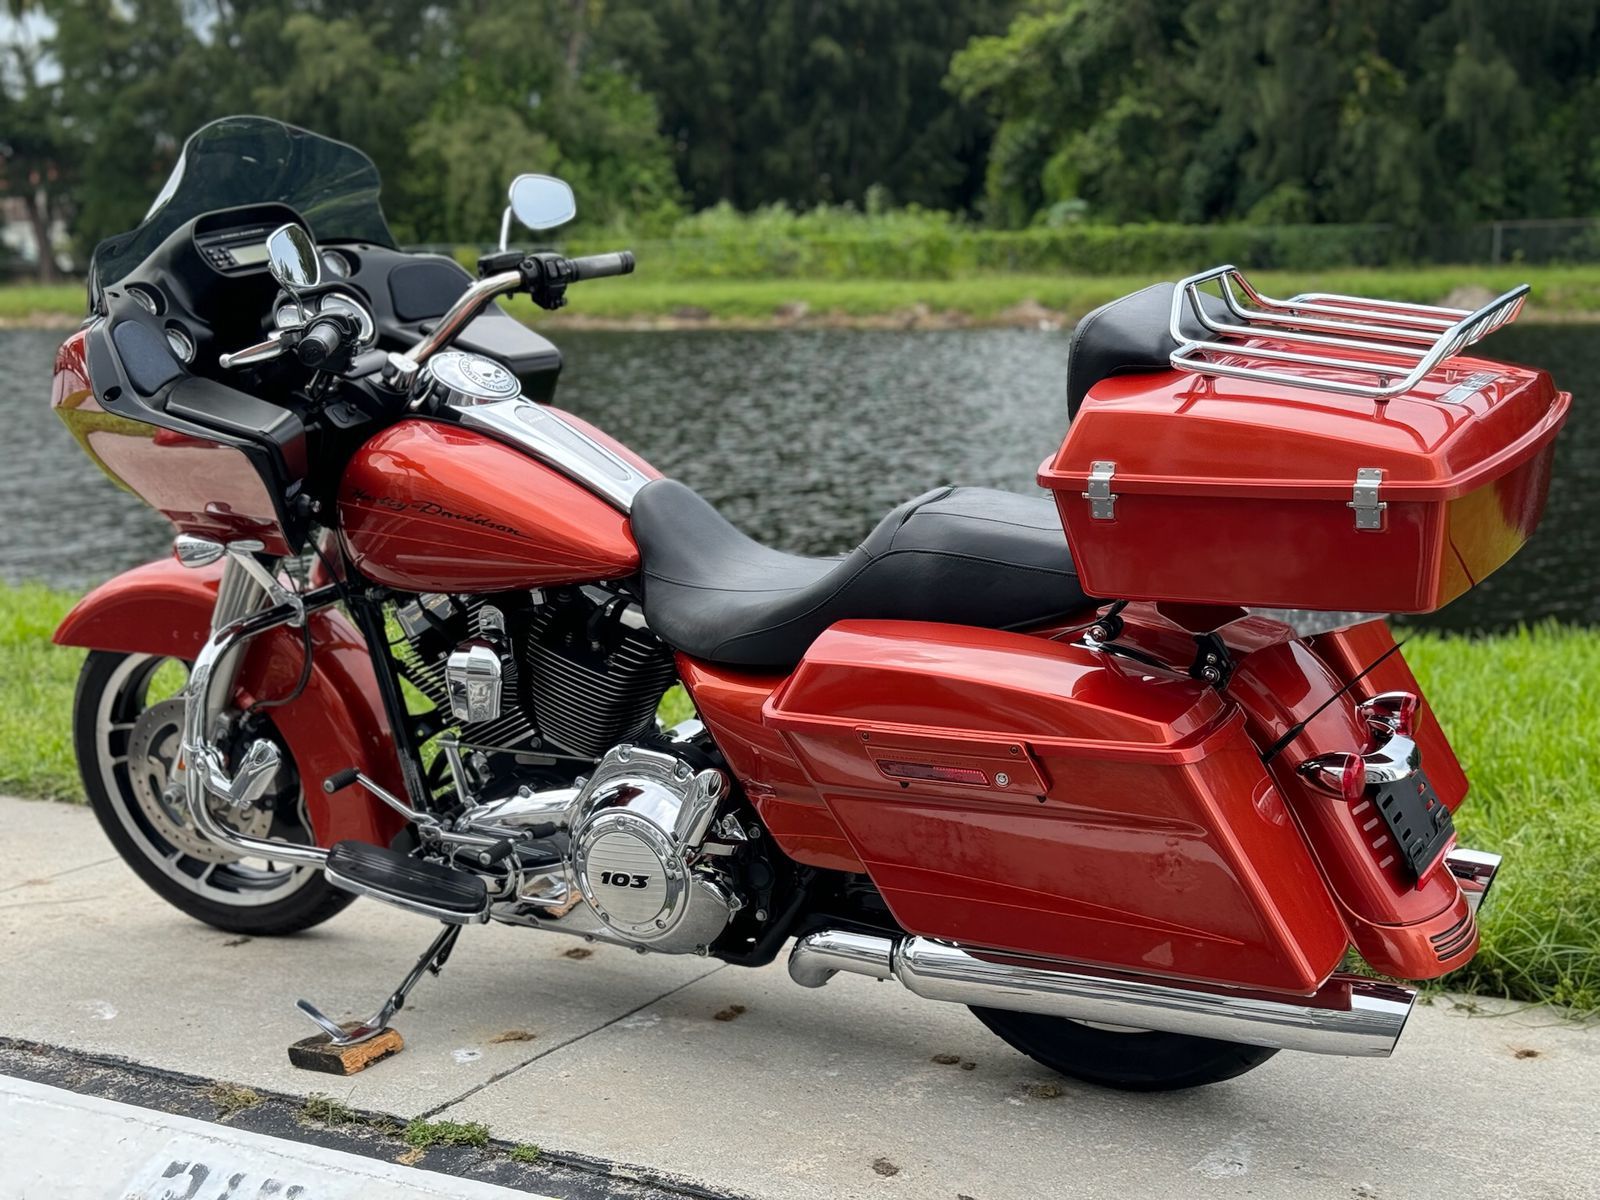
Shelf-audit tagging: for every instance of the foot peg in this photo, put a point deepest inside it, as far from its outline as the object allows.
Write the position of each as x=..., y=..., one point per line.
x=444, y=893
x=433, y=959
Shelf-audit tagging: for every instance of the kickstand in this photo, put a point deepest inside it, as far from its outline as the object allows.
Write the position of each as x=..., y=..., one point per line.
x=433, y=958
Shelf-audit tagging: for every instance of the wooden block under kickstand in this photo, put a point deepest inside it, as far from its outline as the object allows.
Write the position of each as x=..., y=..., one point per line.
x=319, y=1054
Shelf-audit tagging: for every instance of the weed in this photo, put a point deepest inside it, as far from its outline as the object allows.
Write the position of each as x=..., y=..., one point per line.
x=325, y=1110
x=425, y=1135
x=231, y=1098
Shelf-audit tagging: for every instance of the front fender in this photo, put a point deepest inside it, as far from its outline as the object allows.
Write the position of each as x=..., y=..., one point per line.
x=335, y=723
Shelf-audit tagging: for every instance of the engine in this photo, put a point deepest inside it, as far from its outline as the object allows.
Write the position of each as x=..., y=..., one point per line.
x=551, y=698
x=566, y=673
x=636, y=850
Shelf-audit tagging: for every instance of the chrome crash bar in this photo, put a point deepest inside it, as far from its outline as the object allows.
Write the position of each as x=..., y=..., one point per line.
x=1316, y=332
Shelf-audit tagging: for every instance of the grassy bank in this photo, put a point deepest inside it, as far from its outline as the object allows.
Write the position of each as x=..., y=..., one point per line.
x=1522, y=710
x=658, y=296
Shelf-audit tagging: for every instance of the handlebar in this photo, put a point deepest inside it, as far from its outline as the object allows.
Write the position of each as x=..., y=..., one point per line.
x=321, y=341
x=599, y=266
x=543, y=276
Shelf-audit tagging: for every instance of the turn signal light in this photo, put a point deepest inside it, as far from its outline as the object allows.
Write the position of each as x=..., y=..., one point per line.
x=1343, y=775
x=1397, y=710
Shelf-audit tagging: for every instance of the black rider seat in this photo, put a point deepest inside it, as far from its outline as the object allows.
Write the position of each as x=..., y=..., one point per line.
x=970, y=556
x=1130, y=335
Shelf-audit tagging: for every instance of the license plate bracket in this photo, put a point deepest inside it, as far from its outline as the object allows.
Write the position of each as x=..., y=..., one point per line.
x=1418, y=822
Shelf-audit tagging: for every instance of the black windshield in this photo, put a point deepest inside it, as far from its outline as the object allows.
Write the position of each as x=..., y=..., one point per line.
x=255, y=160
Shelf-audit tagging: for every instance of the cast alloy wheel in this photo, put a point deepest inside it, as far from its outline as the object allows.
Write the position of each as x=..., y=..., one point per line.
x=127, y=725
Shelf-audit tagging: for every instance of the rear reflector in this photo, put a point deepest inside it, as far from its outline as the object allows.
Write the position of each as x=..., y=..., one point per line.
x=932, y=771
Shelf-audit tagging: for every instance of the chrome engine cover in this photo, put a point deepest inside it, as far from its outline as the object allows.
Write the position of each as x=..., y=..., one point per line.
x=634, y=851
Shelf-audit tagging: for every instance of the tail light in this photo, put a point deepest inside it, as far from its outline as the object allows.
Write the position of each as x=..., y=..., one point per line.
x=1396, y=711
x=1342, y=774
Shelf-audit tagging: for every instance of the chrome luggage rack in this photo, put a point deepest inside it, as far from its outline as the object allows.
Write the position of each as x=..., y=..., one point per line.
x=1318, y=330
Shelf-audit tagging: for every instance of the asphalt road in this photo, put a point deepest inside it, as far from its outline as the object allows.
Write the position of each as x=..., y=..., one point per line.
x=746, y=1084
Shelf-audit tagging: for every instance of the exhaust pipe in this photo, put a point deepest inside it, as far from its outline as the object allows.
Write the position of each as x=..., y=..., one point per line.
x=1348, y=1015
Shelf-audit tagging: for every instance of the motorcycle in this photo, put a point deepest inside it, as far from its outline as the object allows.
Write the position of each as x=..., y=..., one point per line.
x=1035, y=755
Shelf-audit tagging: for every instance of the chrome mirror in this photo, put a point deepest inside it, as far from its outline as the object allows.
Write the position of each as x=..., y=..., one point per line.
x=292, y=259
x=539, y=202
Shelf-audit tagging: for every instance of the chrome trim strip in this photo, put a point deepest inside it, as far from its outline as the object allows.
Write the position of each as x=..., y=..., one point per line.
x=1349, y=1015
x=558, y=443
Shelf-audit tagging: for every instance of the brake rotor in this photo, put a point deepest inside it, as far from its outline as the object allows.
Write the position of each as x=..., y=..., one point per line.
x=152, y=749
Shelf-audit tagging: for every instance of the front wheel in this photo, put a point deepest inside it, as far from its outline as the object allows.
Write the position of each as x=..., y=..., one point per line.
x=1133, y=1060
x=127, y=723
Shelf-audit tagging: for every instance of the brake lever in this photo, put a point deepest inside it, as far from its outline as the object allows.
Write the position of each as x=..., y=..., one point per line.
x=250, y=355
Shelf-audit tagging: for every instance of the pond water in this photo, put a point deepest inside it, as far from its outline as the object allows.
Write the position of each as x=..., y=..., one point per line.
x=803, y=438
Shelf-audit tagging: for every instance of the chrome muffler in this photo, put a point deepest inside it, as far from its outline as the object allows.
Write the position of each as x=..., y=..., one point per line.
x=1348, y=1015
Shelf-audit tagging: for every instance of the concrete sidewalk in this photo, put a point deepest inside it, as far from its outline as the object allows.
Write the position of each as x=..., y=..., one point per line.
x=749, y=1084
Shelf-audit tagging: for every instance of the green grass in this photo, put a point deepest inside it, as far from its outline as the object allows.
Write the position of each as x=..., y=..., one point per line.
x=1523, y=711
x=21, y=301
x=1557, y=291
x=36, y=685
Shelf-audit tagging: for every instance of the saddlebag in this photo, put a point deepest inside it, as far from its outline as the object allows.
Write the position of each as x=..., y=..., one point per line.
x=1324, y=452
x=1021, y=793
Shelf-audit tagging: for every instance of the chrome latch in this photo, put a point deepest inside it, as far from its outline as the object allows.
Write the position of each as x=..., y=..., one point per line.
x=1102, y=500
x=1369, y=509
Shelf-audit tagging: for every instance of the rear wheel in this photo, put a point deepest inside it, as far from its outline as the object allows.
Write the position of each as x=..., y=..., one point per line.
x=127, y=725
x=1134, y=1060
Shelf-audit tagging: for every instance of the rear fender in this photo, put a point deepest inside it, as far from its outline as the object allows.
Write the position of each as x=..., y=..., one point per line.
x=1397, y=922
x=335, y=723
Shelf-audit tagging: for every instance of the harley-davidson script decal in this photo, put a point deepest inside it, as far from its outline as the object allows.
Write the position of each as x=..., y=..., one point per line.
x=429, y=508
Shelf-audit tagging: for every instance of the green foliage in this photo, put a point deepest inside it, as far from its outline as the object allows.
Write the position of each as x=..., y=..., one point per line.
x=811, y=103
x=1372, y=110
x=449, y=102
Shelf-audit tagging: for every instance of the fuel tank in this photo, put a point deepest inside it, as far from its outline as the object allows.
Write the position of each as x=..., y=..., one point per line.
x=430, y=507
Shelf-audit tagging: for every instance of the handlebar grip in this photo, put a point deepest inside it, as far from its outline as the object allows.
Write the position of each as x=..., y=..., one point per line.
x=599, y=266
x=319, y=343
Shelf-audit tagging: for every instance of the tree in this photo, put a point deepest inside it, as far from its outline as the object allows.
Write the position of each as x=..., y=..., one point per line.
x=36, y=158
x=786, y=100
x=1324, y=110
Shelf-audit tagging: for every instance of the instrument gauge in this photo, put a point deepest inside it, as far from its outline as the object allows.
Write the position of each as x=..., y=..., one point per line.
x=287, y=315
x=180, y=343
x=146, y=298
x=336, y=264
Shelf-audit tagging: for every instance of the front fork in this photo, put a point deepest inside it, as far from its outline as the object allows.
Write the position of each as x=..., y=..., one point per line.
x=250, y=601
